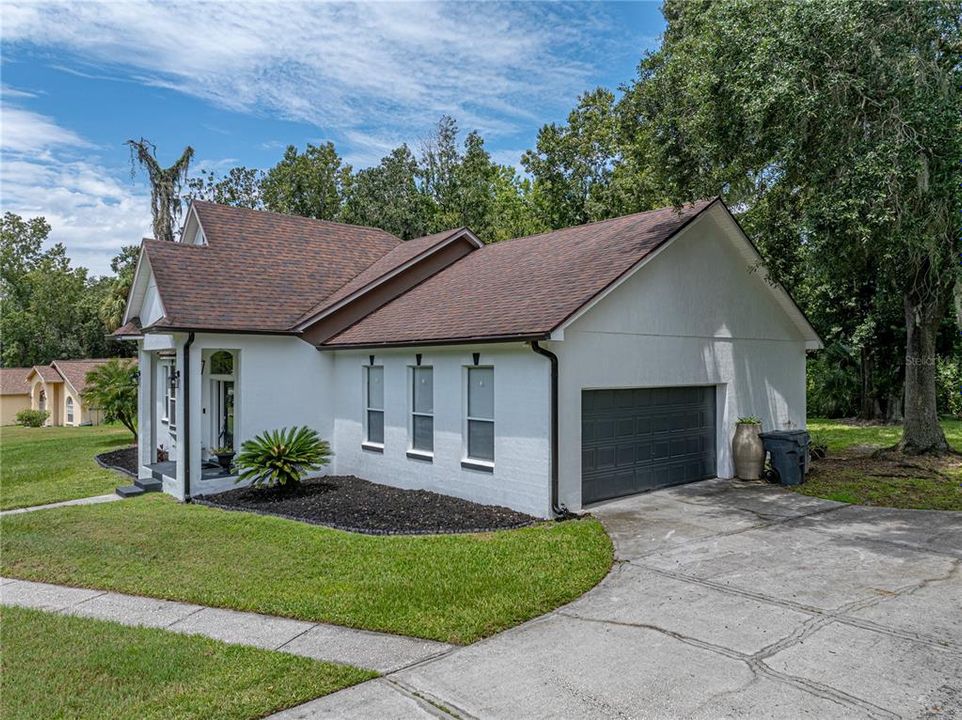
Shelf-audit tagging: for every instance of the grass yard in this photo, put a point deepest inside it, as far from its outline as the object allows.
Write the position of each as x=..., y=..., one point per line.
x=453, y=588
x=50, y=464
x=57, y=666
x=851, y=474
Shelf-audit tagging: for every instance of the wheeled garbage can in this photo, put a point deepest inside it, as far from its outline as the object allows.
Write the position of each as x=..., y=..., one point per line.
x=788, y=449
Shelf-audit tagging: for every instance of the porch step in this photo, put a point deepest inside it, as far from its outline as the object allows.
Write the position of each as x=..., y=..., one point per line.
x=126, y=491
x=149, y=484
x=140, y=486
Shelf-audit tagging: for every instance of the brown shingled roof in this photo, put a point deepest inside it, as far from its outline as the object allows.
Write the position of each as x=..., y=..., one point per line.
x=394, y=259
x=47, y=373
x=259, y=271
x=13, y=381
x=519, y=288
x=75, y=371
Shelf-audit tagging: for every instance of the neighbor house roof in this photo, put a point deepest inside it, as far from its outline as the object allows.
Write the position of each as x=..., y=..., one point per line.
x=47, y=373
x=13, y=381
x=75, y=371
x=521, y=288
x=259, y=271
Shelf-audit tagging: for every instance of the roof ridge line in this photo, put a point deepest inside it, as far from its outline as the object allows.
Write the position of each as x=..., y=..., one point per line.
x=297, y=217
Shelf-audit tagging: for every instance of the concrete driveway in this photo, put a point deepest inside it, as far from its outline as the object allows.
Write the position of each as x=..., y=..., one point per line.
x=724, y=602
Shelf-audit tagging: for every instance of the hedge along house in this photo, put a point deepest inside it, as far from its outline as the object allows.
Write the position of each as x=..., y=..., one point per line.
x=58, y=389
x=541, y=373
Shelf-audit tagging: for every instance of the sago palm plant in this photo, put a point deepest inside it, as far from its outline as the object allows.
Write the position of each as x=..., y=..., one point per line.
x=281, y=457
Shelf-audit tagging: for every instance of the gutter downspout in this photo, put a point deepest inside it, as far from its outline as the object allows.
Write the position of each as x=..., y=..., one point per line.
x=560, y=511
x=190, y=341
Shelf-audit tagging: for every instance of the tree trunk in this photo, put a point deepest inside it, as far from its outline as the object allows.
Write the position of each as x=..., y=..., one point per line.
x=867, y=409
x=922, y=434
x=893, y=413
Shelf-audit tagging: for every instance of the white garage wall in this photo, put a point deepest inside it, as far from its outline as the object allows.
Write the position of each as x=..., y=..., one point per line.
x=520, y=479
x=694, y=315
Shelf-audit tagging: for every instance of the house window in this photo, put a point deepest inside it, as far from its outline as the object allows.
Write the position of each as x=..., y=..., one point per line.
x=70, y=410
x=170, y=396
x=374, y=403
x=422, y=409
x=480, y=416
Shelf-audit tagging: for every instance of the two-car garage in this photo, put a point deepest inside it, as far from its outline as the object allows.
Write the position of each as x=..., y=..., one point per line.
x=639, y=439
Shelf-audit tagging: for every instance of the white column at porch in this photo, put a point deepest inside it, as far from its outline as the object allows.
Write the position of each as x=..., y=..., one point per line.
x=145, y=411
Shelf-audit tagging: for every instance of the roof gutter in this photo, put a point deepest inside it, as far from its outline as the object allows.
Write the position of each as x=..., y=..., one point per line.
x=190, y=341
x=559, y=510
x=522, y=337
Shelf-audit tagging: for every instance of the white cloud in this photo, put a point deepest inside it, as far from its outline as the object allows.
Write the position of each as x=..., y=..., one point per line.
x=89, y=210
x=343, y=66
x=25, y=131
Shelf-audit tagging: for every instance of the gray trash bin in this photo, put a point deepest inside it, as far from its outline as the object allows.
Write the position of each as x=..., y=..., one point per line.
x=788, y=449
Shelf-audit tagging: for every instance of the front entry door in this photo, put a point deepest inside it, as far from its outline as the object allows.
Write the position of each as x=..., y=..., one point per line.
x=222, y=413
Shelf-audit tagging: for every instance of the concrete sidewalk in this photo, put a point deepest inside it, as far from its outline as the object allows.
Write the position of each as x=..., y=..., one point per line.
x=94, y=500
x=375, y=651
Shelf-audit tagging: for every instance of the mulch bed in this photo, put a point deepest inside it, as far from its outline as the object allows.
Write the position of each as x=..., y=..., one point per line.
x=124, y=460
x=350, y=503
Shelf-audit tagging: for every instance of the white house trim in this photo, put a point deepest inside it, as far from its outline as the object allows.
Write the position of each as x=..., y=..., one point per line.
x=463, y=233
x=138, y=290
x=193, y=229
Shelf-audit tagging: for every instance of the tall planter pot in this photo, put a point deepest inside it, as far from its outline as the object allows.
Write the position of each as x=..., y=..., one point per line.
x=748, y=451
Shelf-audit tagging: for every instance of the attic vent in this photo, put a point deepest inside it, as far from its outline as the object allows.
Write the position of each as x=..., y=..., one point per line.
x=199, y=238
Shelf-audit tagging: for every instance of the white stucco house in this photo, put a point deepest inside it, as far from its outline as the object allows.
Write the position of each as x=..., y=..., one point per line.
x=543, y=373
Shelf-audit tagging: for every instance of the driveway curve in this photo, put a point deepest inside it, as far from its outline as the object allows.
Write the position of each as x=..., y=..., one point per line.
x=725, y=601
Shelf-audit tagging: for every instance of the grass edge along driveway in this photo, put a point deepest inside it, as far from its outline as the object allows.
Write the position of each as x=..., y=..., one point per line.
x=451, y=588
x=851, y=474
x=51, y=464
x=63, y=666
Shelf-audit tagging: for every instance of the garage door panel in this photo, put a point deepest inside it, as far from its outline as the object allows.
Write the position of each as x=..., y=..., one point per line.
x=641, y=439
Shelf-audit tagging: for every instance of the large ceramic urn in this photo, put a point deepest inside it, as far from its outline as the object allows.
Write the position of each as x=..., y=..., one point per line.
x=748, y=451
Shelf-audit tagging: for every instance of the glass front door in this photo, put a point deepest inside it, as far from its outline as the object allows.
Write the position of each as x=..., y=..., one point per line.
x=222, y=413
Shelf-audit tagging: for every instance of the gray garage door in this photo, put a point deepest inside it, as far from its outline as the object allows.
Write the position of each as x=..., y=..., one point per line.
x=645, y=438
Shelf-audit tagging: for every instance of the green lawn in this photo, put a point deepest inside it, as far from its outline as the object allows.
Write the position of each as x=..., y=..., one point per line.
x=453, y=588
x=56, y=666
x=843, y=436
x=851, y=474
x=45, y=465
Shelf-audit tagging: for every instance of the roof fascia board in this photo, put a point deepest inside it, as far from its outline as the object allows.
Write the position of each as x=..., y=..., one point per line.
x=454, y=237
x=557, y=333
x=521, y=337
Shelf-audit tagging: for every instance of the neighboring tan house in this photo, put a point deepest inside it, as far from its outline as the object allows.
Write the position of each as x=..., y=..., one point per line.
x=58, y=388
x=541, y=373
x=14, y=393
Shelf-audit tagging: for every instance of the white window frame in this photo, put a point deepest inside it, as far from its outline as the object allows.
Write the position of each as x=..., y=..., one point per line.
x=467, y=461
x=170, y=396
x=69, y=409
x=413, y=452
x=367, y=443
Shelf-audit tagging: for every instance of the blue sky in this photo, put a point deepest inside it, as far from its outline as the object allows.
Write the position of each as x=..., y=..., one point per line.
x=241, y=81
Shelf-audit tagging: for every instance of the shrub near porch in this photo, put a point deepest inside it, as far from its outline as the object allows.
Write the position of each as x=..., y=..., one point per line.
x=452, y=588
x=50, y=464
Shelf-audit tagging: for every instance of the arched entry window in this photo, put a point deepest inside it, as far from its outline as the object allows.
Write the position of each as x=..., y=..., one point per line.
x=43, y=401
x=222, y=363
x=70, y=410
